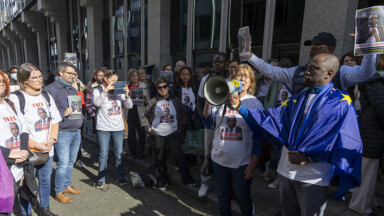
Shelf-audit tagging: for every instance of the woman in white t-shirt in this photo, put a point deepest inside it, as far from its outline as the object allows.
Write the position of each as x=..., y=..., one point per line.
x=40, y=118
x=109, y=120
x=10, y=139
x=235, y=149
x=139, y=95
x=185, y=91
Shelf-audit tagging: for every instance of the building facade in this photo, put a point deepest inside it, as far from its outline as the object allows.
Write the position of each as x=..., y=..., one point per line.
x=133, y=33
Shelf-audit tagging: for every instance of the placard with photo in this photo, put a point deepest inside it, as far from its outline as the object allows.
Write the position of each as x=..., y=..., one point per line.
x=167, y=76
x=244, y=38
x=137, y=95
x=74, y=102
x=369, y=31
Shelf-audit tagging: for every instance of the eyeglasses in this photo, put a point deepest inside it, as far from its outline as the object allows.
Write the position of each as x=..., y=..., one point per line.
x=2, y=82
x=162, y=87
x=36, y=78
x=70, y=73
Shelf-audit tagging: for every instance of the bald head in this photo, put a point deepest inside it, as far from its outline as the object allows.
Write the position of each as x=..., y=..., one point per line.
x=329, y=62
x=321, y=70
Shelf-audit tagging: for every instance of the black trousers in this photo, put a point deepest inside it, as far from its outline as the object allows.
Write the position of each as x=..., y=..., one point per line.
x=136, y=149
x=173, y=141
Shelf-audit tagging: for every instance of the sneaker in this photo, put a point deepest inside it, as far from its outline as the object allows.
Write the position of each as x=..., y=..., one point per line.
x=121, y=182
x=267, y=174
x=192, y=183
x=100, y=185
x=203, y=191
x=162, y=187
x=80, y=164
x=273, y=185
x=83, y=151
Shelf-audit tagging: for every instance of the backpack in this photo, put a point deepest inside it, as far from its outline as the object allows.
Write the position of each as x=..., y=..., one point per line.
x=21, y=98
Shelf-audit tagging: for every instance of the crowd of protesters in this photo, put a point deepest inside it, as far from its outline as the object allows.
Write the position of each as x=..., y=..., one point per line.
x=256, y=129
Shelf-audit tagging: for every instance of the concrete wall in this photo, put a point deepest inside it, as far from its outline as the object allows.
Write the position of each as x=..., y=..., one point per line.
x=336, y=17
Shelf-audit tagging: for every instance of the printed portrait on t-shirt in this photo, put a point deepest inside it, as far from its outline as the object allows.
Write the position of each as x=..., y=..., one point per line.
x=167, y=117
x=13, y=143
x=232, y=132
x=187, y=101
x=115, y=110
x=43, y=123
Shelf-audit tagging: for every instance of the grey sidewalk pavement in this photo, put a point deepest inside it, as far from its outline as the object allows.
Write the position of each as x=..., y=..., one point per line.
x=266, y=201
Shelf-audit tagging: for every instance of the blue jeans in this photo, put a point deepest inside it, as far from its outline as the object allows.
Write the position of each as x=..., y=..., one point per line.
x=227, y=179
x=44, y=176
x=104, y=138
x=67, y=146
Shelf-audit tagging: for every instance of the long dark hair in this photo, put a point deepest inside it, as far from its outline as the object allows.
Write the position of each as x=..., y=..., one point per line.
x=178, y=77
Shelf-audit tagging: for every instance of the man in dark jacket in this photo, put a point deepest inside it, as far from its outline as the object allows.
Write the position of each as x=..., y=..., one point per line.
x=371, y=123
x=69, y=137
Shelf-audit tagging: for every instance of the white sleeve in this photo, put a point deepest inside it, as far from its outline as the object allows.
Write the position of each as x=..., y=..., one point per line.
x=127, y=101
x=274, y=72
x=201, y=87
x=98, y=98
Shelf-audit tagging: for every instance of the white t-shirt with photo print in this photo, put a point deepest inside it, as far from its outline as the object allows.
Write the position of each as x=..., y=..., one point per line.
x=11, y=128
x=232, y=142
x=164, y=121
x=109, y=116
x=188, y=97
x=38, y=117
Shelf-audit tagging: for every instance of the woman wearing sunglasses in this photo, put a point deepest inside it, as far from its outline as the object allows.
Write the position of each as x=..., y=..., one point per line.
x=110, y=123
x=165, y=119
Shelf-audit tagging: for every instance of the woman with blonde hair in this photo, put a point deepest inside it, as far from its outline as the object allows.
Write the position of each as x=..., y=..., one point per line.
x=235, y=149
x=138, y=91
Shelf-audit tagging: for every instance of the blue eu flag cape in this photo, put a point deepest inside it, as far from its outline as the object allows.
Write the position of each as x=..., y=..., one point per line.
x=329, y=132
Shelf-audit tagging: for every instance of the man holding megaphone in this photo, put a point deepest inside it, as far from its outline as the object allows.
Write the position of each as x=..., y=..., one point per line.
x=235, y=149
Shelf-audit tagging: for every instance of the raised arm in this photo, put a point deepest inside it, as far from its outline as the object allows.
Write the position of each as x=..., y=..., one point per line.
x=351, y=76
x=275, y=73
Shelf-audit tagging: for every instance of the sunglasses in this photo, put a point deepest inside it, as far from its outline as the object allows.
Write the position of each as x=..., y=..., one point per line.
x=111, y=72
x=162, y=87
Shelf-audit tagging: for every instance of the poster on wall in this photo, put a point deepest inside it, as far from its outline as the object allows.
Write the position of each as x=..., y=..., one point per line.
x=71, y=58
x=167, y=76
x=244, y=38
x=137, y=95
x=369, y=31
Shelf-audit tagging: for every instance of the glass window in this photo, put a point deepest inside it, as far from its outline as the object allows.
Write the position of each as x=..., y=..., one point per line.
x=289, y=16
x=179, y=22
x=206, y=24
x=118, y=37
x=254, y=17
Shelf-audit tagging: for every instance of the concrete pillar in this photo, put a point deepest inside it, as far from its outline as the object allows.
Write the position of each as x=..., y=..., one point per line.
x=95, y=42
x=5, y=52
x=223, y=26
x=57, y=12
x=159, y=34
x=2, y=67
x=36, y=22
x=268, y=29
x=28, y=40
x=16, y=46
x=340, y=21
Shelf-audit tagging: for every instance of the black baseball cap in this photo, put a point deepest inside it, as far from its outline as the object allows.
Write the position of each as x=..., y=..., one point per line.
x=322, y=38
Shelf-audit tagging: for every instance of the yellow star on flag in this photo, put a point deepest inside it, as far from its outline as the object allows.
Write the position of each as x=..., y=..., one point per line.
x=333, y=89
x=294, y=101
x=346, y=98
x=285, y=103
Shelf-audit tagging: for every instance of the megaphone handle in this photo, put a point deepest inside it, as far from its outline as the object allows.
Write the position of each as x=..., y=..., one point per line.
x=234, y=108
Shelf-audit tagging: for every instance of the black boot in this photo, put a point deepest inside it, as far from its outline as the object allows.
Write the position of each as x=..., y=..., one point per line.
x=44, y=211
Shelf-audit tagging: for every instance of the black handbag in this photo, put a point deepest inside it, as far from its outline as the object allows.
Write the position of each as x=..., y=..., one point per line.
x=38, y=158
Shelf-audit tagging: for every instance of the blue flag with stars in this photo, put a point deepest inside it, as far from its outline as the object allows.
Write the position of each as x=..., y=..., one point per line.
x=328, y=133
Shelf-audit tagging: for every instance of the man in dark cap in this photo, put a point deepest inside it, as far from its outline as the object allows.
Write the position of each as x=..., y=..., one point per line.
x=322, y=43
